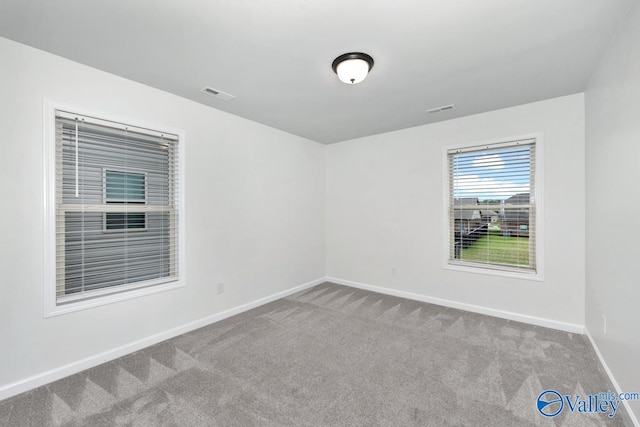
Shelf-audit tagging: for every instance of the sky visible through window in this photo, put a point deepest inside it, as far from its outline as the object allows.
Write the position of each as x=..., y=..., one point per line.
x=492, y=175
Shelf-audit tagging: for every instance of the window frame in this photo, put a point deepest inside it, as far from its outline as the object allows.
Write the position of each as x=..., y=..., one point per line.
x=122, y=292
x=488, y=269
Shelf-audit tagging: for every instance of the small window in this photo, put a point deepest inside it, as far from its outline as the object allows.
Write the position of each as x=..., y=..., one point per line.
x=124, y=187
x=115, y=221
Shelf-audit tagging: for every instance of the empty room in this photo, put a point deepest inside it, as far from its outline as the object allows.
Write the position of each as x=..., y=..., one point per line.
x=320, y=213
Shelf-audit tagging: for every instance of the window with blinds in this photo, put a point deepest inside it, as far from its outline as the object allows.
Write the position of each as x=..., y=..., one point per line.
x=492, y=206
x=116, y=208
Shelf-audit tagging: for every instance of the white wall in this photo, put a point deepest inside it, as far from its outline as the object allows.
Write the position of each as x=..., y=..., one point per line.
x=255, y=214
x=613, y=198
x=385, y=210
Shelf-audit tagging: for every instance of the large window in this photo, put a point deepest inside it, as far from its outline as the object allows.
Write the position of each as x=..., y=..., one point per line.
x=492, y=206
x=115, y=199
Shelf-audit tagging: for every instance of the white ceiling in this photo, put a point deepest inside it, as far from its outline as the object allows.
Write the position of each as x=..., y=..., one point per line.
x=275, y=55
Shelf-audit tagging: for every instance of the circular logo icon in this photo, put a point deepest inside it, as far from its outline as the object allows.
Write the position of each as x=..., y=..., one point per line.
x=550, y=403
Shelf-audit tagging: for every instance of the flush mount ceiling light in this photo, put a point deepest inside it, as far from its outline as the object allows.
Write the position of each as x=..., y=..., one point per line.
x=352, y=68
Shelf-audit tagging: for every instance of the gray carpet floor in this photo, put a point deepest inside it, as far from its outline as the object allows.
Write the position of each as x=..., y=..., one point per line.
x=331, y=356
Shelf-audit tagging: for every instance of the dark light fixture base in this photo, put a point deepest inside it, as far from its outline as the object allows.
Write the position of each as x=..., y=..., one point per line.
x=352, y=55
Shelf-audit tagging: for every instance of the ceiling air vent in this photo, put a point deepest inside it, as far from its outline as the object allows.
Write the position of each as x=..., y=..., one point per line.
x=443, y=108
x=222, y=96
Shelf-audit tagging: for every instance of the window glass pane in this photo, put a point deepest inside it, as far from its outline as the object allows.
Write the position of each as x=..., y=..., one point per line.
x=122, y=221
x=491, y=176
x=125, y=187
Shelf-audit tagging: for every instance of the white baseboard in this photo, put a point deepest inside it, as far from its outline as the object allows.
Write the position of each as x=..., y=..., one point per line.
x=38, y=380
x=538, y=321
x=627, y=406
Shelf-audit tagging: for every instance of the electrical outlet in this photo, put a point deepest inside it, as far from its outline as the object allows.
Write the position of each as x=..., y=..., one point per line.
x=220, y=288
x=604, y=324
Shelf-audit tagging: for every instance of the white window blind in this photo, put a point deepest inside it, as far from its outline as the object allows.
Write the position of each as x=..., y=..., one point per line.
x=116, y=207
x=492, y=206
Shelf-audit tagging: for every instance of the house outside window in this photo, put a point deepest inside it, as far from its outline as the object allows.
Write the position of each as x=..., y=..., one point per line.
x=492, y=206
x=114, y=200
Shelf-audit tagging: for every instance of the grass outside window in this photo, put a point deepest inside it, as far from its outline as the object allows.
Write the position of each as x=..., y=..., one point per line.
x=498, y=249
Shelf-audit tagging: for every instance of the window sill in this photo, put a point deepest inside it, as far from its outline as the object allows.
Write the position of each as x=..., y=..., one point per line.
x=70, y=307
x=497, y=271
